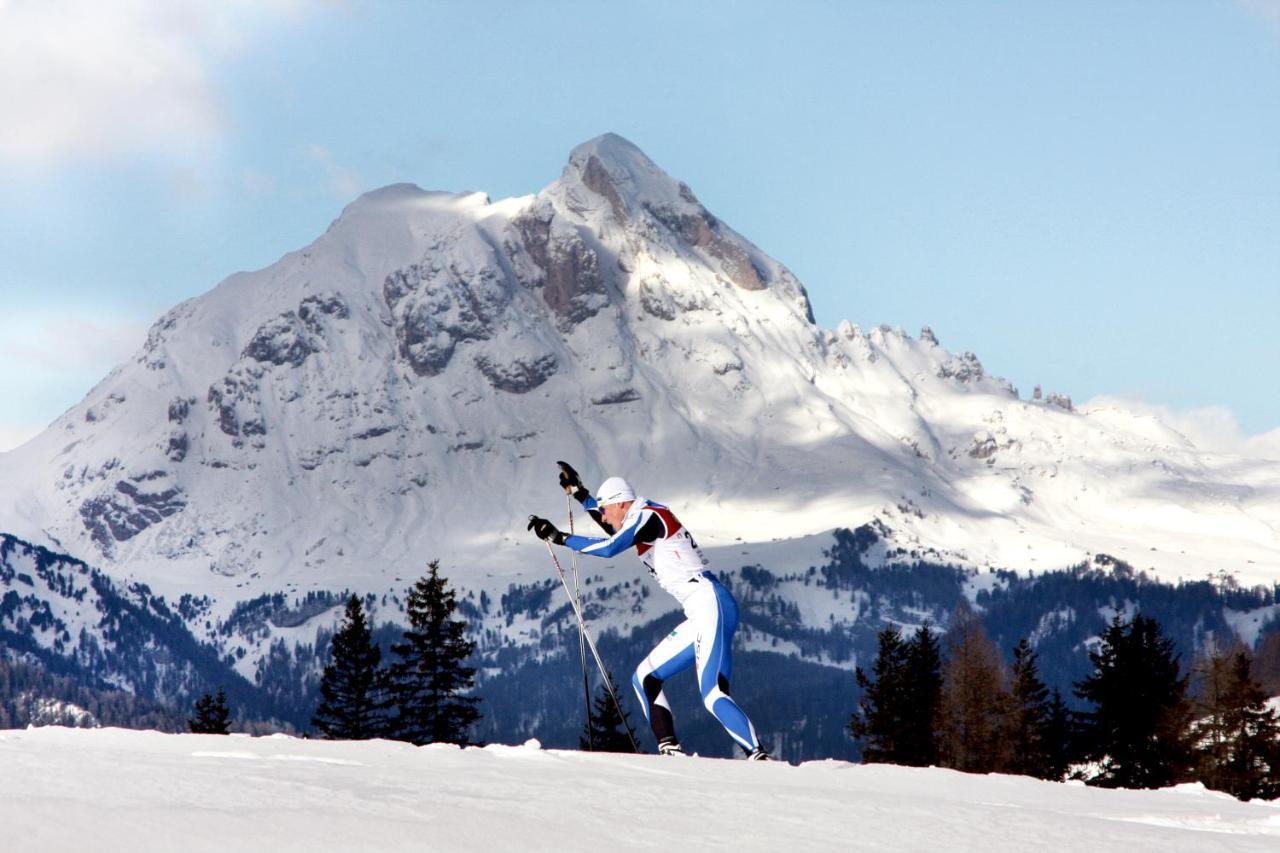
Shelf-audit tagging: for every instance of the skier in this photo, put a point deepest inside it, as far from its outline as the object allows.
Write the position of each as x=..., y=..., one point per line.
x=703, y=640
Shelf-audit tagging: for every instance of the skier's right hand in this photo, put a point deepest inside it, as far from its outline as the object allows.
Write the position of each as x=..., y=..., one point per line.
x=545, y=530
x=571, y=482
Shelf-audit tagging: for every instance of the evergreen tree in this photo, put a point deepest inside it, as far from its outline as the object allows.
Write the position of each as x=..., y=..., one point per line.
x=1266, y=662
x=1028, y=727
x=1060, y=738
x=923, y=698
x=897, y=714
x=608, y=730
x=429, y=681
x=353, y=701
x=974, y=700
x=1238, y=736
x=881, y=719
x=1213, y=735
x=212, y=716
x=1139, y=728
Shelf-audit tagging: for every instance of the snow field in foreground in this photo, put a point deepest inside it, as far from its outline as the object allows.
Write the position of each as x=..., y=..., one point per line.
x=116, y=790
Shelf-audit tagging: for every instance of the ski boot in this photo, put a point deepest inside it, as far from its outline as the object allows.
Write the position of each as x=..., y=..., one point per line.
x=669, y=746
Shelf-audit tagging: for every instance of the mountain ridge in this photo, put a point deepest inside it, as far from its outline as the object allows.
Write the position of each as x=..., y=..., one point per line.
x=403, y=385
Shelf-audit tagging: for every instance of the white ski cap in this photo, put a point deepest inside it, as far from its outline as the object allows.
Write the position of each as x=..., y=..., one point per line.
x=615, y=490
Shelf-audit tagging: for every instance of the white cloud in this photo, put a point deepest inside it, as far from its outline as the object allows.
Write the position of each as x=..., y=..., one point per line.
x=85, y=79
x=50, y=359
x=1210, y=428
x=16, y=436
x=1266, y=445
x=1268, y=10
x=48, y=340
x=343, y=182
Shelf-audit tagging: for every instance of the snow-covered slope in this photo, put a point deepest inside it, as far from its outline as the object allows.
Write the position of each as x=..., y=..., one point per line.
x=401, y=388
x=57, y=610
x=114, y=790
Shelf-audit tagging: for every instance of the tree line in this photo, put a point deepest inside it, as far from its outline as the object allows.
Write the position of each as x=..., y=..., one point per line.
x=945, y=699
x=32, y=695
x=422, y=696
x=950, y=701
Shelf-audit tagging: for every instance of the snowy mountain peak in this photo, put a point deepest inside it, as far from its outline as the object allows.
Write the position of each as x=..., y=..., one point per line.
x=613, y=168
x=617, y=153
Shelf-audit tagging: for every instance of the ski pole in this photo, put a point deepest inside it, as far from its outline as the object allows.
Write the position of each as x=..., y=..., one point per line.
x=604, y=673
x=582, y=637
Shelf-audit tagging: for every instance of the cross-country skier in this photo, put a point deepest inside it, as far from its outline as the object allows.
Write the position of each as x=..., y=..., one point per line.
x=703, y=640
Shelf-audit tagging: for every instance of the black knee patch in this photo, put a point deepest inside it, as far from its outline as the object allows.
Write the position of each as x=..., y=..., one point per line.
x=652, y=687
x=723, y=684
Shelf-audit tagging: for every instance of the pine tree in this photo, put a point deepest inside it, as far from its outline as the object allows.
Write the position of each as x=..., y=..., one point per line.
x=974, y=700
x=1238, y=738
x=353, y=701
x=1060, y=738
x=1139, y=728
x=923, y=698
x=212, y=716
x=1255, y=762
x=1213, y=730
x=881, y=719
x=897, y=714
x=1028, y=727
x=1266, y=663
x=429, y=681
x=608, y=730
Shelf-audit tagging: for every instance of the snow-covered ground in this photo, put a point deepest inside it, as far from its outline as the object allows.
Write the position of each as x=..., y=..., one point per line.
x=114, y=790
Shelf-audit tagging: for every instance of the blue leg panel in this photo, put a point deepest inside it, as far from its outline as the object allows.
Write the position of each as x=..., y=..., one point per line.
x=735, y=722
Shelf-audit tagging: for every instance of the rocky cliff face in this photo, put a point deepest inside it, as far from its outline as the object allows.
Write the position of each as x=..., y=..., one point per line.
x=401, y=388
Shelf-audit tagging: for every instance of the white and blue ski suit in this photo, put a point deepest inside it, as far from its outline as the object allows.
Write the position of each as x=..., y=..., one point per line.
x=703, y=640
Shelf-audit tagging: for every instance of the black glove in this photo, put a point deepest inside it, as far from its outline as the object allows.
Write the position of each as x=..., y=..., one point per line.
x=572, y=483
x=545, y=530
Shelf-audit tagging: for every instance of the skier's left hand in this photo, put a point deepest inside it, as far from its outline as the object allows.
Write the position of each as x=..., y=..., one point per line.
x=570, y=481
x=545, y=530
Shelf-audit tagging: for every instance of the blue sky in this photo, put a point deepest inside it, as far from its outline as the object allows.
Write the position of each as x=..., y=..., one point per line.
x=1085, y=194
